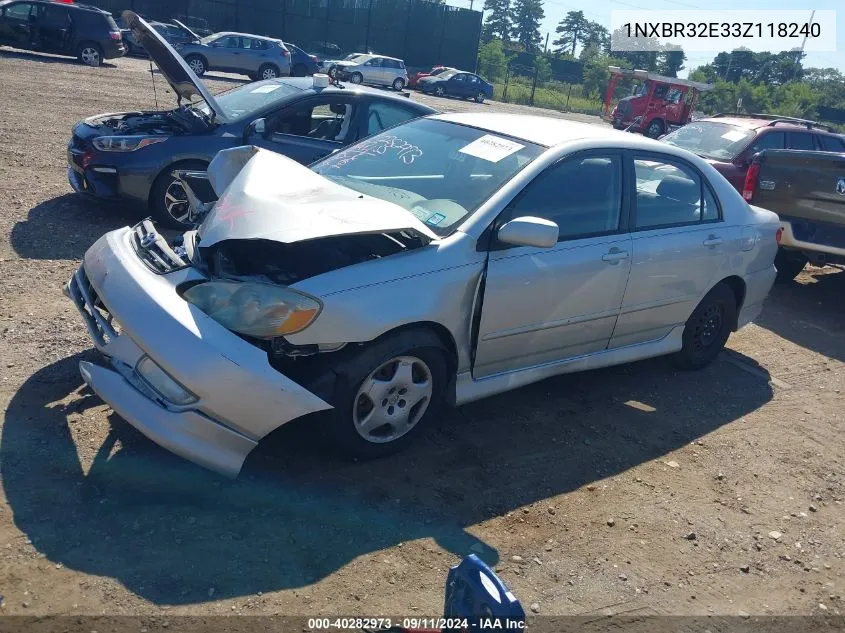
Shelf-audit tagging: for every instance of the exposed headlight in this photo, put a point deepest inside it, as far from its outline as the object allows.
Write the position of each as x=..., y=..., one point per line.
x=255, y=309
x=126, y=143
x=162, y=383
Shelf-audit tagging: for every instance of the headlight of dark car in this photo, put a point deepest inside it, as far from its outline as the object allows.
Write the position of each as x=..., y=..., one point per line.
x=255, y=309
x=126, y=143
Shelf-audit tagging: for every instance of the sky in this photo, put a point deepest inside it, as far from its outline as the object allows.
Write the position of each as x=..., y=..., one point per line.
x=599, y=11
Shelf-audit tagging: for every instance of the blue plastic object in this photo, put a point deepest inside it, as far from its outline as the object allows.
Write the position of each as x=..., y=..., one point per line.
x=474, y=592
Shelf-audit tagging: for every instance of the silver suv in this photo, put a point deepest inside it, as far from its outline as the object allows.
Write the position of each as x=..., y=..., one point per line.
x=373, y=69
x=252, y=55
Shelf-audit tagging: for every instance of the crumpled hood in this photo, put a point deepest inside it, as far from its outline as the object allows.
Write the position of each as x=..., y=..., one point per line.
x=271, y=197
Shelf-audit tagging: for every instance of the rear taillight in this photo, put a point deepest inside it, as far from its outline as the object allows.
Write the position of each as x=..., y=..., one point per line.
x=779, y=235
x=313, y=58
x=86, y=159
x=115, y=35
x=285, y=52
x=750, y=181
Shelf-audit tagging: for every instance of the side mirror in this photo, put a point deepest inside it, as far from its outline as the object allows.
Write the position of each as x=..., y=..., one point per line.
x=259, y=127
x=529, y=231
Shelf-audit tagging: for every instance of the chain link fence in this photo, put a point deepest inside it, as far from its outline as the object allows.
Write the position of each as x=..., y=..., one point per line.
x=539, y=85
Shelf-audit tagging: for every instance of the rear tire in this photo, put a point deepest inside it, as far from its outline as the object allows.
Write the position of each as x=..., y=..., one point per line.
x=168, y=201
x=90, y=54
x=708, y=328
x=268, y=71
x=197, y=63
x=398, y=84
x=788, y=264
x=424, y=359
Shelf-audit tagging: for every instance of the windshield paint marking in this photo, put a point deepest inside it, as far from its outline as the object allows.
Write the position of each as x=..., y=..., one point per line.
x=405, y=151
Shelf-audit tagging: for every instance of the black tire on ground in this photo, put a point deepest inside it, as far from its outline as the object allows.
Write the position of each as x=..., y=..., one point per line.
x=90, y=54
x=708, y=328
x=339, y=423
x=789, y=264
x=167, y=191
x=479, y=98
x=332, y=72
x=654, y=129
x=252, y=77
x=197, y=64
x=268, y=71
x=299, y=71
x=398, y=84
x=357, y=78
x=440, y=91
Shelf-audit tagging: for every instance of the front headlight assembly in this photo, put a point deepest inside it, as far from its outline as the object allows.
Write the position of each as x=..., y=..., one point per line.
x=126, y=143
x=259, y=310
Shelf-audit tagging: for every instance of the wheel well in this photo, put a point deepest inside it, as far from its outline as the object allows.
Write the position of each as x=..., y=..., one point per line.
x=440, y=331
x=737, y=286
x=179, y=164
x=85, y=43
x=271, y=64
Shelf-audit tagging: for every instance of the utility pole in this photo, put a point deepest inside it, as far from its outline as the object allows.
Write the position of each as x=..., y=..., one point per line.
x=546, y=46
x=803, y=44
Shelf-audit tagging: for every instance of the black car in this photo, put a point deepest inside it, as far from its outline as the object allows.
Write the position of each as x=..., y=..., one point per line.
x=175, y=35
x=457, y=83
x=87, y=33
x=302, y=64
x=132, y=157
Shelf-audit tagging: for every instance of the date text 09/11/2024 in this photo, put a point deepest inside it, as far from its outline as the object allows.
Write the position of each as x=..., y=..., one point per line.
x=415, y=623
x=716, y=30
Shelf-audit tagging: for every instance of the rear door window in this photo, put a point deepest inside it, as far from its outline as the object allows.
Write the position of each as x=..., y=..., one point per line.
x=801, y=140
x=671, y=193
x=54, y=15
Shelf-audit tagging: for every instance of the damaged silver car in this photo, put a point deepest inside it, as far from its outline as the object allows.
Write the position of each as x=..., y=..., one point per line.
x=441, y=261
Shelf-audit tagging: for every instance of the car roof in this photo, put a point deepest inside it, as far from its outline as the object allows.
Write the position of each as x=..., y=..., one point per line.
x=546, y=131
x=750, y=123
x=258, y=37
x=306, y=85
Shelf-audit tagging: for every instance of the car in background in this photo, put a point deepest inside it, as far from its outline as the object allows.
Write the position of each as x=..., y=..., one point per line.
x=445, y=260
x=729, y=141
x=255, y=56
x=325, y=50
x=174, y=34
x=198, y=25
x=457, y=83
x=302, y=64
x=436, y=70
x=133, y=157
x=377, y=70
x=87, y=33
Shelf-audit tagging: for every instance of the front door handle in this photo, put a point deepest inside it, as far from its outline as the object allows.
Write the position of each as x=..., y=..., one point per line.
x=712, y=240
x=614, y=256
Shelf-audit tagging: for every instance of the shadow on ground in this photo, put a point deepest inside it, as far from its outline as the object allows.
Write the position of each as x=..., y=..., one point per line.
x=168, y=530
x=64, y=227
x=47, y=58
x=810, y=313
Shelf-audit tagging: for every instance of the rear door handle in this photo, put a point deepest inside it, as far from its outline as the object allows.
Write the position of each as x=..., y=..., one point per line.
x=614, y=256
x=712, y=240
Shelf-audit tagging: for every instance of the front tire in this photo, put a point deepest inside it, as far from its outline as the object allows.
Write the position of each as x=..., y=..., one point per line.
x=357, y=78
x=479, y=98
x=788, y=264
x=197, y=64
x=168, y=200
x=90, y=54
x=654, y=129
x=439, y=91
x=708, y=328
x=268, y=71
x=387, y=394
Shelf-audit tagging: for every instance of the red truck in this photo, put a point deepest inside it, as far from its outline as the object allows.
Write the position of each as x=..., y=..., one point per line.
x=658, y=104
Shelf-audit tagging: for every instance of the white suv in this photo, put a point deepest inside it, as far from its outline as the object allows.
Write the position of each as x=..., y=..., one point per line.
x=373, y=69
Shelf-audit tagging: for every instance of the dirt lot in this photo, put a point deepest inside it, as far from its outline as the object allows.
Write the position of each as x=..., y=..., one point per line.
x=633, y=490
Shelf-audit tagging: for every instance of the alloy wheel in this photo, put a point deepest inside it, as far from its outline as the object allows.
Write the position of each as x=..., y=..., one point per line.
x=90, y=56
x=392, y=399
x=176, y=202
x=439, y=91
x=197, y=66
x=269, y=73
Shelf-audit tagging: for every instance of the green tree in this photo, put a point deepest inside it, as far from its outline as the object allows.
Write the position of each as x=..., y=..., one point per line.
x=643, y=57
x=596, y=76
x=543, y=67
x=526, y=17
x=497, y=24
x=596, y=36
x=796, y=99
x=669, y=62
x=492, y=63
x=573, y=28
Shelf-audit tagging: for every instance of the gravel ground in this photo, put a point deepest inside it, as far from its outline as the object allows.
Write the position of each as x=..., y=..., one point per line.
x=632, y=490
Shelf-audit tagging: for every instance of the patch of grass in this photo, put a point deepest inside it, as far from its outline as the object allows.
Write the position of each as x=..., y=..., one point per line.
x=552, y=95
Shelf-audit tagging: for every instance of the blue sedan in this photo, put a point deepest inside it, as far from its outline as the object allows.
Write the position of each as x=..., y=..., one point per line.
x=457, y=83
x=134, y=156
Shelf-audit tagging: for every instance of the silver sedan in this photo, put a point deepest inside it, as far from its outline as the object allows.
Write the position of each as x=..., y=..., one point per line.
x=444, y=260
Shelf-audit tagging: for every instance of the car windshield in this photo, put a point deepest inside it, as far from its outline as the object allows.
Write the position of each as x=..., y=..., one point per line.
x=441, y=172
x=209, y=38
x=711, y=139
x=243, y=101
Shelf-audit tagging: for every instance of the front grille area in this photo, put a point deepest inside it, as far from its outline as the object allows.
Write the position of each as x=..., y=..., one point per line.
x=154, y=251
x=100, y=323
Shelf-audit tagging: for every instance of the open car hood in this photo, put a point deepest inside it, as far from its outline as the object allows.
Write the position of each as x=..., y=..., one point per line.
x=267, y=196
x=187, y=31
x=180, y=77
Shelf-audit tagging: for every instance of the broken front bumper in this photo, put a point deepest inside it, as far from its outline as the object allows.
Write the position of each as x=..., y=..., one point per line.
x=132, y=312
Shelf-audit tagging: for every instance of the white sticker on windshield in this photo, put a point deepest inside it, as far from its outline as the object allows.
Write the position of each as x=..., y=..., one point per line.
x=491, y=148
x=263, y=89
x=733, y=135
